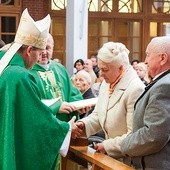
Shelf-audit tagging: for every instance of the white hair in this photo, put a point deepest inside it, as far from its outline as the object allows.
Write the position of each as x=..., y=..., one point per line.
x=85, y=74
x=160, y=44
x=114, y=52
x=141, y=65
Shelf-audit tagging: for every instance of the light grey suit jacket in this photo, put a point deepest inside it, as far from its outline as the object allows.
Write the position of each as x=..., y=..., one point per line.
x=149, y=144
x=114, y=114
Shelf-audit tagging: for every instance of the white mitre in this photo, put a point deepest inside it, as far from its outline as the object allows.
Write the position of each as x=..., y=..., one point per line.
x=28, y=33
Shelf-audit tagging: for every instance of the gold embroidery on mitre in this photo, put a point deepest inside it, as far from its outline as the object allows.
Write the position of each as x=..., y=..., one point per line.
x=23, y=19
x=32, y=40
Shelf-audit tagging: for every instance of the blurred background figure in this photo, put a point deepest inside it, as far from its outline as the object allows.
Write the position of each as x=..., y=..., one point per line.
x=83, y=82
x=78, y=65
x=57, y=60
x=96, y=86
x=95, y=64
x=2, y=43
x=88, y=66
x=134, y=63
x=142, y=72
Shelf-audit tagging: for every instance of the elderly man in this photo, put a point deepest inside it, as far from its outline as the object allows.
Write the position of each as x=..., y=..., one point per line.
x=54, y=82
x=149, y=144
x=118, y=92
x=30, y=136
x=88, y=66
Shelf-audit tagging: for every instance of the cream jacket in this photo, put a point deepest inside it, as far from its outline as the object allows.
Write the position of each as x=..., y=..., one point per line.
x=114, y=114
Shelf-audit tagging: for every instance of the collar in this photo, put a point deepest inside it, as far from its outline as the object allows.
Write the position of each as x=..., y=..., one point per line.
x=159, y=75
x=45, y=66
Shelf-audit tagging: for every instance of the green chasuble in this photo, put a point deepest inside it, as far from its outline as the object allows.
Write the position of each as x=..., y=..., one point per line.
x=54, y=82
x=30, y=135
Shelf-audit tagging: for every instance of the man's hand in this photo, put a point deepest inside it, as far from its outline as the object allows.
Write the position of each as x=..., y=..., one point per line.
x=80, y=125
x=75, y=130
x=66, y=108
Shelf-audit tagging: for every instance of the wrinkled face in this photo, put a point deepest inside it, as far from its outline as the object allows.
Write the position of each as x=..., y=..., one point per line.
x=152, y=61
x=47, y=53
x=79, y=66
x=108, y=72
x=81, y=83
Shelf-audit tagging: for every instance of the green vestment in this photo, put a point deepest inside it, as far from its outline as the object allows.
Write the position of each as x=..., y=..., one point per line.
x=30, y=134
x=55, y=82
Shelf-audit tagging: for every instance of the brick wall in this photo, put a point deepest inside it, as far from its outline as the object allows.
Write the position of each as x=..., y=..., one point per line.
x=38, y=9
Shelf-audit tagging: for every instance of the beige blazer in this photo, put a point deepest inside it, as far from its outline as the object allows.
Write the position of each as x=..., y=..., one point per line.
x=114, y=114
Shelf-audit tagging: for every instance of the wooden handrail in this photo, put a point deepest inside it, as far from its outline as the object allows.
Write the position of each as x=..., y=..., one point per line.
x=82, y=155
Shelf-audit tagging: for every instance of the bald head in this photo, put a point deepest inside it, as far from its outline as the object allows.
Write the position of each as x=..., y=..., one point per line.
x=160, y=44
x=158, y=55
x=88, y=65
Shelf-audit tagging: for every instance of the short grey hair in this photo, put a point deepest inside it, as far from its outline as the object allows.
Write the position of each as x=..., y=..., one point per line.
x=114, y=53
x=86, y=75
x=161, y=44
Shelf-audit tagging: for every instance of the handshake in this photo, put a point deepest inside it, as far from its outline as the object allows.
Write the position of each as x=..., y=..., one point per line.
x=77, y=128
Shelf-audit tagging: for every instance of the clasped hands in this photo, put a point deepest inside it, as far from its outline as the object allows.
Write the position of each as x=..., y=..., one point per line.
x=77, y=128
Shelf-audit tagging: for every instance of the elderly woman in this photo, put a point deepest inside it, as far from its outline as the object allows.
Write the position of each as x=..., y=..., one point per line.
x=83, y=82
x=118, y=93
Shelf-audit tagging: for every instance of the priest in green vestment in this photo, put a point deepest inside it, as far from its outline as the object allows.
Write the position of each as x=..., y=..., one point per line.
x=31, y=136
x=54, y=82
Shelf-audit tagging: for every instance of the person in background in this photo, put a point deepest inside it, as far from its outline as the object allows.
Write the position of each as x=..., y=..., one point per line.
x=78, y=65
x=119, y=91
x=95, y=64
x=96, y=86
x=2, y=43
x=54, y=82
x=88, y=66
x=83, y=82
x=149, y=144
x=134, y=63
x=142, y=72
x=31, y=137
x=57, y=60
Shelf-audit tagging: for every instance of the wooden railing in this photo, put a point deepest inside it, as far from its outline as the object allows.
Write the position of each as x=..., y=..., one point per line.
x=79, y=153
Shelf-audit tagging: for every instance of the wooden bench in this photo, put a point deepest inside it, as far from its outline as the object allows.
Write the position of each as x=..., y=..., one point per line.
x=82, y=155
